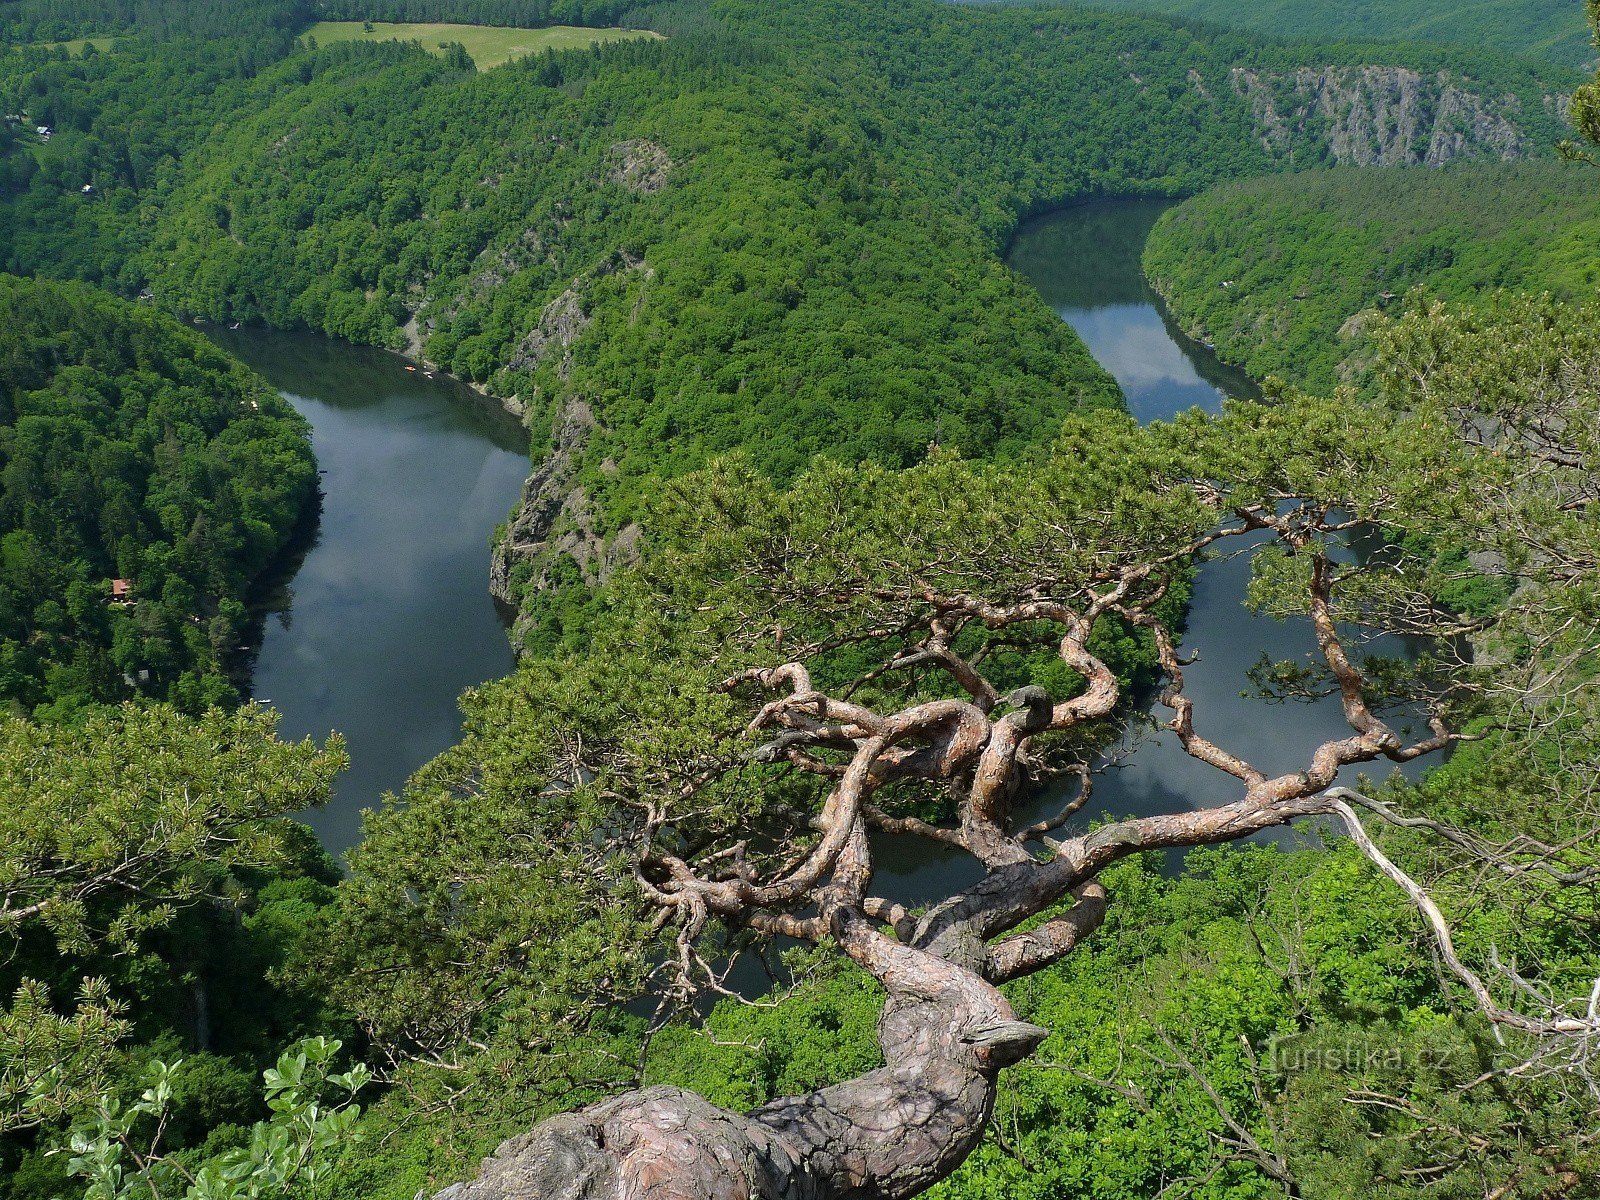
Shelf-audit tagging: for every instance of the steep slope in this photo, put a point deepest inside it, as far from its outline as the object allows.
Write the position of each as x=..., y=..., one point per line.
x=1011, y=110
x=1283, y=273
x=1548, y=29
x=146, y=479
x=774, y=232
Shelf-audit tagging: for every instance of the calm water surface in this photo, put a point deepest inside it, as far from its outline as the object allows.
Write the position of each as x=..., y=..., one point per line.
x=387, y=617
x=1085, y=261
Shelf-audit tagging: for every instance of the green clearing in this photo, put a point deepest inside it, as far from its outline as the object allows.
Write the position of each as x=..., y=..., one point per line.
x=489, y=45
x=76, y=45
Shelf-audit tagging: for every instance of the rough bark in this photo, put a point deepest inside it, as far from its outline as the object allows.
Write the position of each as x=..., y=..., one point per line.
x=946, y=1030
x=946, y=1034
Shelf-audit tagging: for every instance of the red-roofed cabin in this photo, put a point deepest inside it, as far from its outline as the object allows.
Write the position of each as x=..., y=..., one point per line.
x=121, y=591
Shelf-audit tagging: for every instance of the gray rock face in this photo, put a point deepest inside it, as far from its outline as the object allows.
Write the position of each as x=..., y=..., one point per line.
x=1381, y=116
x=545, y=494
x=560, y=325
x=639, y=166
x=555, y=515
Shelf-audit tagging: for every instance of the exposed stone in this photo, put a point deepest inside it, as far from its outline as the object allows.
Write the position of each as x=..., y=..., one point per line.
x=555, y=519
x=638, y=165
x=564, y=319
x=412, y=330
x=1381, y=116
x=889, y=1134
x=658, y=1136
x=545, y=493
x=560, y=324
x=1360, y=355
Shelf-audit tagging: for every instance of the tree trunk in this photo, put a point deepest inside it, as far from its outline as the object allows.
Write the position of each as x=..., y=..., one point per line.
x=892, y=1133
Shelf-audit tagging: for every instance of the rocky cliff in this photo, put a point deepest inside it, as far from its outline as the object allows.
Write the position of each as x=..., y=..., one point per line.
x=1380, y=116
x=555, y=519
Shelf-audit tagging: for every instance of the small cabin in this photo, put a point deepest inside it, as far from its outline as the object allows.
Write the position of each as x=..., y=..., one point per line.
x=122, y=592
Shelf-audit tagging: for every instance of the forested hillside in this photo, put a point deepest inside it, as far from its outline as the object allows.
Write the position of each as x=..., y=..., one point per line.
x=131, y=450
x=1270, y=1021
x=772, y=231
x=1017, y=110
x=23, y=22
x=836, y=535
x=1284, y=274
x=484, y=12
x=1550, y=29
x=148, y=878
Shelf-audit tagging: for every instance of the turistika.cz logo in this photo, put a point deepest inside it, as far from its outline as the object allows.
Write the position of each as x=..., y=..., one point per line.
x=1297, y=1053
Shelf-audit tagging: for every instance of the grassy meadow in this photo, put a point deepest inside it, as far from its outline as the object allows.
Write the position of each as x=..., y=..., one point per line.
x=76, y=45
x=489, y=45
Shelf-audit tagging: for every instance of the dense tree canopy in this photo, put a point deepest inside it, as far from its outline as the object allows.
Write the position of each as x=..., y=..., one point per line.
x=902, y=563
x=27, y=21
x=132, y=450
x=871, y=647
x=1552, y=29
x=149, y=876
x=1285, y=274
x=772, y=231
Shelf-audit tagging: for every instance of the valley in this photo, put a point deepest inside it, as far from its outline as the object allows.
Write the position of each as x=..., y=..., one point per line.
x=805, y=598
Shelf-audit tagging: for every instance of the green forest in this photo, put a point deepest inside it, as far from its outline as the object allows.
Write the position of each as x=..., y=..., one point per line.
x=1548, y=29
x=816, y=270
x=131, y=451
x=1285, y=273
x=33, y=21
x=892, y=558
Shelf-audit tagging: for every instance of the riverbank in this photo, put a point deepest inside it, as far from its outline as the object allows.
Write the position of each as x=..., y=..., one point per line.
x=386, y=620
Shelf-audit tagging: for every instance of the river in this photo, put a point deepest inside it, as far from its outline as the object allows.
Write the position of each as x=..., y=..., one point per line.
x=1085, y=262
x=387, y=617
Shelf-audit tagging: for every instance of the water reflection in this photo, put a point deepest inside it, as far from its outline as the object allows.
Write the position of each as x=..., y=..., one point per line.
x=387, y=618
x=1085, y=261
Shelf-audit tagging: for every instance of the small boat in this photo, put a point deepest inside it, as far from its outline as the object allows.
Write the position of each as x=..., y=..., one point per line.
x=411, y=369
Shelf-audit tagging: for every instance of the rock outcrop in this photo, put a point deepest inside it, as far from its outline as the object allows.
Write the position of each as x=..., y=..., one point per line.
x=560, y=325
x=555, y=518
x=639, y=166
x=565, y=318
x=1381, y=116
